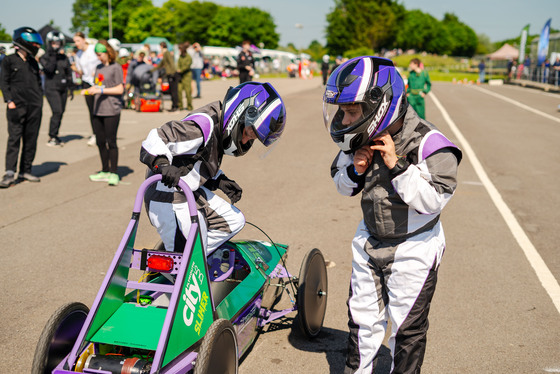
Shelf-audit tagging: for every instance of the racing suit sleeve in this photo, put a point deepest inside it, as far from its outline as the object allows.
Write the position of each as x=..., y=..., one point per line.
x=429, y=185
x=174, y=138
x=5, y=80
x=347, y=182
x=48, y=60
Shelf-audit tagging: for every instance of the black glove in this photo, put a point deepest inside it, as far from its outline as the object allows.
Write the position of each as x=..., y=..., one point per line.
x=230, y=188
x=170, y=175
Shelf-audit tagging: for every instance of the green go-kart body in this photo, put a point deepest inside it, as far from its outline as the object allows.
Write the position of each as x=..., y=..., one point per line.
x=190, y=312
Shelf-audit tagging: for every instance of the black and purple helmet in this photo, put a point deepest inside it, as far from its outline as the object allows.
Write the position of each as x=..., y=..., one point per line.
x=256, y=105
x=374, y=90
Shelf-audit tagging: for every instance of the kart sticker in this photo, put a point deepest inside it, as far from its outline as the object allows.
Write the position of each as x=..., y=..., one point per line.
x=194, y=309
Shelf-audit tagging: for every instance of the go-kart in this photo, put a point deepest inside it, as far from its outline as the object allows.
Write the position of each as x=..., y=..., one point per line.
x=191, y=312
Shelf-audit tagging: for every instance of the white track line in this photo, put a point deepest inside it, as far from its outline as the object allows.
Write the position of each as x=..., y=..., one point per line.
x=517, y=103
x=536, y=91
x=546, y=278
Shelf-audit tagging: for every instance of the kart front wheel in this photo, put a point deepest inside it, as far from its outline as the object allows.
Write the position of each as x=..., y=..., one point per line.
x=312, y=293
x=218, y=351
x=58, y=337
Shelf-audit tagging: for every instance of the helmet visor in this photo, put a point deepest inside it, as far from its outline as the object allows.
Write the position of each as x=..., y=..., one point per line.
x=32, y=37
x=345, y=118
x=267, y=122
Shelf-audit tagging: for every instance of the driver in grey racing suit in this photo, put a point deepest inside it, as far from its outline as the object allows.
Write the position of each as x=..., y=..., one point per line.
x=192, y=150
x=406, y=170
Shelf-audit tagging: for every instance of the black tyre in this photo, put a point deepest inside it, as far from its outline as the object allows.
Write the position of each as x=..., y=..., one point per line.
x=312, y=293
x=218, y=351
x=58, y=337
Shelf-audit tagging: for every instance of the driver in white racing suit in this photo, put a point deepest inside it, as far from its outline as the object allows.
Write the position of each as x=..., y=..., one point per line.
x=407, y=172
x=192, y=149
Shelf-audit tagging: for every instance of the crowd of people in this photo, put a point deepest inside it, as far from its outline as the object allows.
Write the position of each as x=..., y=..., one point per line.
x=102, y=72
x=109, y=77
x=547, y=72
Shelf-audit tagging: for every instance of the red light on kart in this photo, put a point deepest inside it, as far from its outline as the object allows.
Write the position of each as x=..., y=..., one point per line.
x=160, y=263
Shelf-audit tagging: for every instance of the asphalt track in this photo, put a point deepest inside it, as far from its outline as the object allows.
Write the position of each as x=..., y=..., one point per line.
x=496, y=308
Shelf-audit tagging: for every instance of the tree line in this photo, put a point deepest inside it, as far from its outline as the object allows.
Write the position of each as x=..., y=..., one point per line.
x=353, y=27
x=386, y=24
x=178, y=21
x=352, y=24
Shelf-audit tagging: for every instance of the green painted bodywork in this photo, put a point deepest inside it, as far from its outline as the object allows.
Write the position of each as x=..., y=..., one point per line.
x=133, y=326
x=194, y=310
x=115, y=292
x=122, y=322
x=250, y=286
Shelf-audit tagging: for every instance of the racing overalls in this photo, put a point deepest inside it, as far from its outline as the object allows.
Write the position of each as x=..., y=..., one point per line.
x=58, y=79
x=20, y=82
x=398, y=245
x=194, y=144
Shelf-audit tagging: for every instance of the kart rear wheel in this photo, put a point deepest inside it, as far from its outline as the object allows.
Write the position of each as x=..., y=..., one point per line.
x=218, y=351
x=312, y=293
x=58, y=337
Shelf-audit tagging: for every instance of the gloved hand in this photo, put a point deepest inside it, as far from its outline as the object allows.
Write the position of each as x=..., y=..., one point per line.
x=170, y=175
x=230, y=188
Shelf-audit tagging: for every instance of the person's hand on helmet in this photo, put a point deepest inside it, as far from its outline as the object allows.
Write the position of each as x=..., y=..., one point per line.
x=386, y=147
x=362, y=159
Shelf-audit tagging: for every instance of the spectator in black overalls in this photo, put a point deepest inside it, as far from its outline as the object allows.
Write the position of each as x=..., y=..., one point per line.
x=20, y=83
x=58, y=81
x=245, y=63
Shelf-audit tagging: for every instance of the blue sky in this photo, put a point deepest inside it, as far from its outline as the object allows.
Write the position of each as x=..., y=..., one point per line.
x=498, y=19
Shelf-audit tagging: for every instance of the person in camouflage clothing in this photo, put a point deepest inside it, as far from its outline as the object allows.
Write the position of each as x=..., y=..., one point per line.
x=185, y=76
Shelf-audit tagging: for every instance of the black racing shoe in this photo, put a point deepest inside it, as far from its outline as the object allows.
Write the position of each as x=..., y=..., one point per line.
x=7, y=180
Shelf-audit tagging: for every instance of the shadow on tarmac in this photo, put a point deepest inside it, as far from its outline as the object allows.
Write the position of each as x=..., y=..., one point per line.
x=331, y=342
x=51, y=167
x=123, y=171
x=69, y=138
x=47, y=168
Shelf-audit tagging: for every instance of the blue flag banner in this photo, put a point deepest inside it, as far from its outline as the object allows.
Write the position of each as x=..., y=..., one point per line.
x=542, y=50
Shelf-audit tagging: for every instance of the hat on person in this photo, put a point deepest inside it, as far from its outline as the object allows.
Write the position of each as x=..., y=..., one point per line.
x=100, y=48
